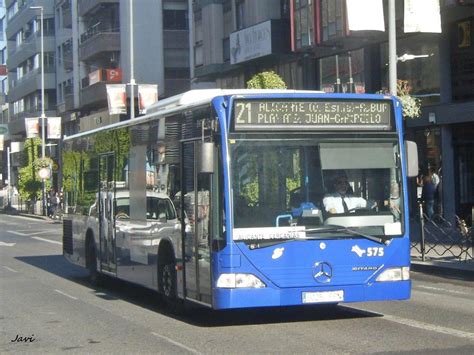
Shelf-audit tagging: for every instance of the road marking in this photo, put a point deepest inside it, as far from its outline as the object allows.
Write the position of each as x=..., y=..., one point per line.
x=7, y=244
x=430, y=327
x=191, y=350
x=415, y=324
x=10, y=269
x=47, y=240
x=27, y=234
x=65, y=294
x=440, y=289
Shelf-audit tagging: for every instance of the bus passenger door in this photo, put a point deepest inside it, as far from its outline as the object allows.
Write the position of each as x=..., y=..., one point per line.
x=106, y=213
x=196, y=200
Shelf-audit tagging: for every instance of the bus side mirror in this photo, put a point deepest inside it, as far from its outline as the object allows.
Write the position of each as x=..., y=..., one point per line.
x=412, y=158
x=206, y=163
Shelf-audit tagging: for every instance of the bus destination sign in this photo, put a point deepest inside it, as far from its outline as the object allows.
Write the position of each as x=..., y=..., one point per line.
x=284, y=115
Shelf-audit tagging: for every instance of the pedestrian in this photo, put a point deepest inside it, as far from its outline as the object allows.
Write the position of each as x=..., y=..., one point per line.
x=428, y=196
x=51, y=194
x=434, y=177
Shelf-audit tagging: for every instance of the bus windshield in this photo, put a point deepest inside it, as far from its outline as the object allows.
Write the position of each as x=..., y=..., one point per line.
x=306, y=184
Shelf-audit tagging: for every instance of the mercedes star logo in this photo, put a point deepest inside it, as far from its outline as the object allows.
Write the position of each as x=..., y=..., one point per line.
x=322, y=272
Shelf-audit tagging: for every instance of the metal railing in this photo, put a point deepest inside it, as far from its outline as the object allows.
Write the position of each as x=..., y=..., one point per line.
x=440, y=239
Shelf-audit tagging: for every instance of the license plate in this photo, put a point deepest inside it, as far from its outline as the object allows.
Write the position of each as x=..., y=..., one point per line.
x=323, y=296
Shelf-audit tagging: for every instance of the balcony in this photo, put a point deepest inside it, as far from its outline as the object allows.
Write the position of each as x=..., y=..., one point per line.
x=92, y=45
x=31, y=82
x=86, y=6
x=31, y=45
x=17, y=122
x=25, y=15
x=94, y=95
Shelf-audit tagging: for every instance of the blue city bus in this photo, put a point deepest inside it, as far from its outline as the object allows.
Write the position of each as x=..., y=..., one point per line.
x=230, y=199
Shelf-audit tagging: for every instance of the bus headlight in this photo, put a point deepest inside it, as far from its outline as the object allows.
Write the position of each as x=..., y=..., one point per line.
x=395, y=274
x=239, y=281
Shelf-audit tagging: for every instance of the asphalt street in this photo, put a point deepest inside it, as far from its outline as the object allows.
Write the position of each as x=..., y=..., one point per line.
x=48, y=306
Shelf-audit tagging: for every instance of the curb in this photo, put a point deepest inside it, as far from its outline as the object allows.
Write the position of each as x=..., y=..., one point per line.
x=16, y=213
x=464, y=270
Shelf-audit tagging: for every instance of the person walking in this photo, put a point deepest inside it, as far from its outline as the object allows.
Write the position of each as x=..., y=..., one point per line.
x=428, y=195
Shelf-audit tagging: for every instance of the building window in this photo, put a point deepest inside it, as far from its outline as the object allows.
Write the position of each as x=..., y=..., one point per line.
x=3, y=56
x=420, y=66
x=304, y=23
x=332, y=19
x=240, y=14
x=175, y=19
x=462, y=60
x=198, y=55
x=335, y=72
x=226, y=49
x=177, y=73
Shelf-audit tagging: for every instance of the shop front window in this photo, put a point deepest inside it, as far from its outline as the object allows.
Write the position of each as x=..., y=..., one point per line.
x=343, y=72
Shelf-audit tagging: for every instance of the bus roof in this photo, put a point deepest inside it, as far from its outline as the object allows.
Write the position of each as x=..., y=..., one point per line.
x=189, y=99
x=201, y=96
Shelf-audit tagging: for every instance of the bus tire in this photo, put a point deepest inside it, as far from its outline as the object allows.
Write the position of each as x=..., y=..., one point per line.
x=95, y=278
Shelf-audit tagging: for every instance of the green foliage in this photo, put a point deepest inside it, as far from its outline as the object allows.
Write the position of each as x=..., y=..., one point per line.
x=29, y=183
x=411, y=106
x=266, y=80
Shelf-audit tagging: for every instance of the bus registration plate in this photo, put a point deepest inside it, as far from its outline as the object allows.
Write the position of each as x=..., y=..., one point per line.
x=323, y=296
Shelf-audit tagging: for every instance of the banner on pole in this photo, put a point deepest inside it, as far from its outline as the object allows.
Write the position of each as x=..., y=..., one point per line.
x=54, y=127
x=32, y=127
x=117, y=98
x=147, y=95
x=422, y=16
x=365, y=15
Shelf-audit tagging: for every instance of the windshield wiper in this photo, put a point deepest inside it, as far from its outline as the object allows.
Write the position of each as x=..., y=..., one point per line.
x=335, y=228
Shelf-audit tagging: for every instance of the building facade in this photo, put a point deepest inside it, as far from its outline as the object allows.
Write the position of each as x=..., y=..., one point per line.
x=317, y=51
x=86, y=47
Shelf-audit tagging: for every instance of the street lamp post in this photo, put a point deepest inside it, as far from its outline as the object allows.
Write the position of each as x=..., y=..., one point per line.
x=392, y=48
x=132, y=74
x=43, y=115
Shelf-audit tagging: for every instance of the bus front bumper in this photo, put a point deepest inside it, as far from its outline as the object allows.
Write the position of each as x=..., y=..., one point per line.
x=274, y=297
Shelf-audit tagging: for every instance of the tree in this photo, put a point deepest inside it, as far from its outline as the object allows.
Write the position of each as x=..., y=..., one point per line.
x=266, y=80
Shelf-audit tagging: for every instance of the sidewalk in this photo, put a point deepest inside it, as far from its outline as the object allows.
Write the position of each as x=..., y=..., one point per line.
x=14, y=212
x=443, y=266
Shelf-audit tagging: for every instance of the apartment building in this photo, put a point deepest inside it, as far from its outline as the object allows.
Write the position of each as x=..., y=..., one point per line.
x=24, y=61
x=93, y=50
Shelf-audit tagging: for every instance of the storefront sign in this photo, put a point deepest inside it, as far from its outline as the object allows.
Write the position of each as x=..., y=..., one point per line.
x=250, y=43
